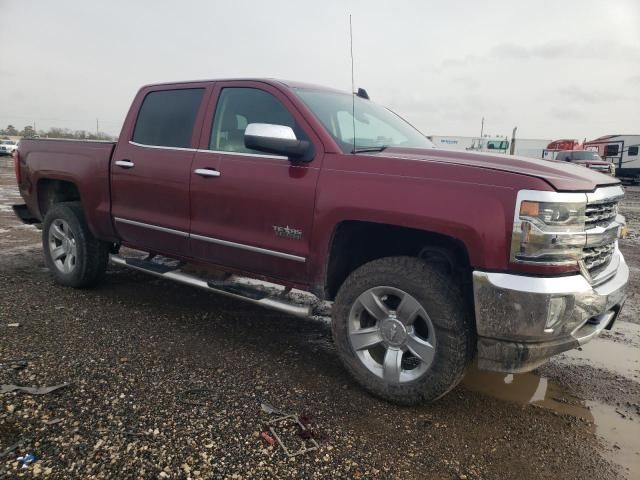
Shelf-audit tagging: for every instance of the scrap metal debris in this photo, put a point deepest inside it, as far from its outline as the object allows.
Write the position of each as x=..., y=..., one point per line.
x=270, y=409
x=303, y=431
x=53, y=421
x=31, y=390
x=307, y=431
x=267, y=438
x=13, y=324
x=287, y=423
x=26, y=460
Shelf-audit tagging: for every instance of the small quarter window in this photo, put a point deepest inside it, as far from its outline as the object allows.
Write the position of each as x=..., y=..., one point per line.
x=167, y=117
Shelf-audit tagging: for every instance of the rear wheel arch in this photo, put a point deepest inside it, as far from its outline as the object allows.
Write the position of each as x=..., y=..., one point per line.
x=51, y=191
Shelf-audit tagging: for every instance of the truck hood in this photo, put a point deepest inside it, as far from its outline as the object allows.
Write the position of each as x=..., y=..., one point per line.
x=562, y=176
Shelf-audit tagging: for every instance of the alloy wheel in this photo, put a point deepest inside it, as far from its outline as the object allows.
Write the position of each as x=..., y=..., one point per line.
x=392, y=334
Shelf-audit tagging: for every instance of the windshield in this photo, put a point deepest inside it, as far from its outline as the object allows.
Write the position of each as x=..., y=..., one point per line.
x=375, y=126
x=585, y=155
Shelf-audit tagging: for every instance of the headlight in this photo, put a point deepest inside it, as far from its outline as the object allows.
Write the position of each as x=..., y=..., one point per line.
x=548, y=228
x=553, y=216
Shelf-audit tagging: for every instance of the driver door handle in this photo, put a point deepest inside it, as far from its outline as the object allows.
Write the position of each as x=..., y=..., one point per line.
x=125, y=163
x=206, y=172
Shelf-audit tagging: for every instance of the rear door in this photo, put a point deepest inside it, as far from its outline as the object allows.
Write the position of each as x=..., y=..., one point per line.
x=255, y=214
x=151, y=168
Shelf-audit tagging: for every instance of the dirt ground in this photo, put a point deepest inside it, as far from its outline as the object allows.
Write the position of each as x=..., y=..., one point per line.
x=165, y=381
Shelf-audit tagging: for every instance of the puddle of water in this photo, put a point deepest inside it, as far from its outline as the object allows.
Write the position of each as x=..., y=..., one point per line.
x=618, y=357
x=622, y=434
x=618, y=353
x=526, y=388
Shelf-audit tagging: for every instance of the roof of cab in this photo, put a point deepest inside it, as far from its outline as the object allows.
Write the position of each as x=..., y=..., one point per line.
x=269, y=81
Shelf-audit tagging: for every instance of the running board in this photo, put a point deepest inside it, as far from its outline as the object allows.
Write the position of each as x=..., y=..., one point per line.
x=228, y=288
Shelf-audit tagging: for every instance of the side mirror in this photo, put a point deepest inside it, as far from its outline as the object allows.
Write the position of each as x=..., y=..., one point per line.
x=275, y=139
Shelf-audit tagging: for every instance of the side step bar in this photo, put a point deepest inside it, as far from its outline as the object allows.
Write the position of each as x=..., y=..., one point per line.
x=228, y=288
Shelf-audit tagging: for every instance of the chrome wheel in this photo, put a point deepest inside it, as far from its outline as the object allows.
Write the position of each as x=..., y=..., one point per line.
x=62, y=246
x=392, y=334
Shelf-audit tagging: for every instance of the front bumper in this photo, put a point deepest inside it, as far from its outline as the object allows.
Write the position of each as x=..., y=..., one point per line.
x=522, y=321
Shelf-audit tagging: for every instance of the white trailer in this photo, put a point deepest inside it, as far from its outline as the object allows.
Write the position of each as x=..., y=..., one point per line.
x=622, y=150
x=525, y=147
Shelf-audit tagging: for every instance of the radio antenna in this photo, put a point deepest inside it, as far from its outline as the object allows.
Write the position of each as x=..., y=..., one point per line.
x=353, y=87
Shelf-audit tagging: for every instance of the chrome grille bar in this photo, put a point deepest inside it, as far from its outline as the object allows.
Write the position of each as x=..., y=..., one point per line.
x=599, y=222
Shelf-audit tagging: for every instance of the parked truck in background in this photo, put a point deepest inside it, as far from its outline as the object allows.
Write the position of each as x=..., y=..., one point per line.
x=587, y=159
x=622, y=150
x=431, y=258
x=7, y=147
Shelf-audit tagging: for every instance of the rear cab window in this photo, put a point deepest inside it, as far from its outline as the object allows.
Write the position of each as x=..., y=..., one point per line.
x=166, y=118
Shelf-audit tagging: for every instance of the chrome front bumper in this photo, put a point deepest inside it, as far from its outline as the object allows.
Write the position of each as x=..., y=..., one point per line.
x=522, y=321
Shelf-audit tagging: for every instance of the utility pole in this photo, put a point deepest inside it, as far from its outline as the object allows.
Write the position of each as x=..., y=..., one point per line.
x=512, y=149
x=97, y=127
x=482, y=128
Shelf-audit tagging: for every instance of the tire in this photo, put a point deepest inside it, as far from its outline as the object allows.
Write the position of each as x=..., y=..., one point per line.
x=396, y=363
x=73, y=255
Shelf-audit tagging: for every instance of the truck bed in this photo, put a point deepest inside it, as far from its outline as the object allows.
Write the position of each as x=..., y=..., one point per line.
x=85, y=164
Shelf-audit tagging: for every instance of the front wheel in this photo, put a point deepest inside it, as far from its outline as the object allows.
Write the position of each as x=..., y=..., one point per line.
x=402, y=330
x=74, y=256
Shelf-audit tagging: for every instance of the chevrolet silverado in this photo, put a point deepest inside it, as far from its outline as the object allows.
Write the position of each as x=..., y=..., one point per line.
x=429, y=259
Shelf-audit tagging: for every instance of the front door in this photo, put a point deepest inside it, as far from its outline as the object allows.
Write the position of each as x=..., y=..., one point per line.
x=151, y=170
x=255, y=214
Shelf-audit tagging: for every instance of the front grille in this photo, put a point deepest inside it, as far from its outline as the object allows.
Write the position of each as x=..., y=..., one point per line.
x=596, y=259
x=601, y=214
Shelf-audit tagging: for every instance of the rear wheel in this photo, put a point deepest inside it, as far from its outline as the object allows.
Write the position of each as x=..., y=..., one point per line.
x=402, y=330
x=74, y=256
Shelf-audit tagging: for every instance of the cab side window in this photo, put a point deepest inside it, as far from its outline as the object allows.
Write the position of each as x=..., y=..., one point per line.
x=237, y=108
x=166, y=118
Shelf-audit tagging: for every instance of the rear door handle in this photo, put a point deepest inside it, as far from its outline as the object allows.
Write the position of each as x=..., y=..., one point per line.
x=125, y=163
x=206, y=172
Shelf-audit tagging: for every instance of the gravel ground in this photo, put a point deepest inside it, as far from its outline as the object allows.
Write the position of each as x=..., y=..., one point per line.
x=167, y=381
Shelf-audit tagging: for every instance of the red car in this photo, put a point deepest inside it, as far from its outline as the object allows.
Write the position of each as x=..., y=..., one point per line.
x=430, y=257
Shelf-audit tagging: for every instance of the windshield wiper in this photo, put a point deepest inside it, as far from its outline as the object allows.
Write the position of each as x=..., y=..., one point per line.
x=369, y=149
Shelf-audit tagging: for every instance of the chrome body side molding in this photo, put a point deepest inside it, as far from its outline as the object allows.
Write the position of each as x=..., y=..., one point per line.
x=226, y=243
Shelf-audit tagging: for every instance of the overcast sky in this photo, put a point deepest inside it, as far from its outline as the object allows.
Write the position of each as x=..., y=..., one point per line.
x=555, y=69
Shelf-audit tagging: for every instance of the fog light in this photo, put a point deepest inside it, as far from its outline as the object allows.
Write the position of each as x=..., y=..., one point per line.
x=555, y=313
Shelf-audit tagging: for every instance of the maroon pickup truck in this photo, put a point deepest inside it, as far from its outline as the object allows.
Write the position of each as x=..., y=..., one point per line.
x=428, y=258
